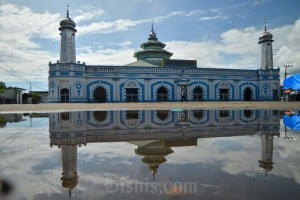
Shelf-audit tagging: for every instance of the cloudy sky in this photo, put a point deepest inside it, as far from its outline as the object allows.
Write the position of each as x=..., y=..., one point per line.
x=217, y=33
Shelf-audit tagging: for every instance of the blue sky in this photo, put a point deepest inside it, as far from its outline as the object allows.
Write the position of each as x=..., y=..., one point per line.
x=217, y=33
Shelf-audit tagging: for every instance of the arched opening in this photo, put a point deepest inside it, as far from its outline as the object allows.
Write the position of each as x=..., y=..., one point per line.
x=132, y=94
x=100, y=94
x=100, y=116
x=224, y=94
x=162, y=115
x=132, y=115
x=64, y=95
x=248, y=113
x=198, y=114
x=198, y=94
x=223, y=113
x=275, y=95
x=65, y=116
x=248, y=94
x=162, y=94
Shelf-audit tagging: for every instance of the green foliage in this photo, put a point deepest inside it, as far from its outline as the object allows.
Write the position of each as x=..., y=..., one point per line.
x=3, y=122
x=36, y=98
x=2, y=86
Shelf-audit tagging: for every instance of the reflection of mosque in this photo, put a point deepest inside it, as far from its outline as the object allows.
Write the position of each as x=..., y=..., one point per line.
x=156, y=132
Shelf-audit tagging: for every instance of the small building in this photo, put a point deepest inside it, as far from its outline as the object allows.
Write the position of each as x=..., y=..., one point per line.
x=11, y=95
x=39, y=96
x=156, y=77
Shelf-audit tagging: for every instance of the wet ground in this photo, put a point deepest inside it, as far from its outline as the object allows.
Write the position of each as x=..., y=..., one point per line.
x=60, y=107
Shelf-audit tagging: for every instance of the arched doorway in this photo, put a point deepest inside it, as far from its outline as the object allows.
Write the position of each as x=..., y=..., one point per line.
x=100, y=94
x=198, y=94
x=248, y=94
x=64, y=95
x=100, y=116
x=162, y=115
x=162, y=94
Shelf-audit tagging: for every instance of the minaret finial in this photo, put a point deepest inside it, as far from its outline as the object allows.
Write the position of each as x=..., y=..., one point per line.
x=67, y=10
x=152, y=29
x=265, y=26
x=152, y=35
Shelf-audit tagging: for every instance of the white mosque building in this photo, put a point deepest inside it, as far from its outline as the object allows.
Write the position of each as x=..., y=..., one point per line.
x=156, y=77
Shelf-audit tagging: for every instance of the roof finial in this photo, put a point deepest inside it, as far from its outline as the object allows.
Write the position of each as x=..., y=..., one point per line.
x=152, y=29
x=67, y=10
x=152, y=35
x=265, y=26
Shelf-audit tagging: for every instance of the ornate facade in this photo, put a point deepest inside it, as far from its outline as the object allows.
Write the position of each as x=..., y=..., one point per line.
x=157, y=77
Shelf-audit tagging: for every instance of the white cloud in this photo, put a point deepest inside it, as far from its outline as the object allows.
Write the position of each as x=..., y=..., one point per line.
x=121, y=24
x=87, y=13
x=286, y=48
x=194, y=12
x=208, y=18
x=238, y=48
x=21, y=57
x=94, y=56
x=108, y=27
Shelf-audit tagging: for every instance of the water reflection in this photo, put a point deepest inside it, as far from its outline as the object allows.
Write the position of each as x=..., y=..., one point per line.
x=155, y=133
x=9, y=118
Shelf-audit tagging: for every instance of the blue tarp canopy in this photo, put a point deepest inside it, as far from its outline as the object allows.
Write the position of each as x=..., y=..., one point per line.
x=292, y=122
x=292, y=82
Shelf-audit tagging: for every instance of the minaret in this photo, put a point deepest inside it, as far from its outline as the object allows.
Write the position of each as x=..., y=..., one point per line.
x=266, y=163
x=266, y=50
x=67, y=45
x=69, y=162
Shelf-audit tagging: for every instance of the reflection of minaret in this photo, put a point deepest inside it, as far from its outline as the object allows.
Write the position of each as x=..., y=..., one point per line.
x=154, y=153
x=266, y=163
x=69, y=162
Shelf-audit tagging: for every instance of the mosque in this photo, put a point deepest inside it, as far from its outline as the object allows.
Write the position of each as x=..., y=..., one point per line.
x=156, y=77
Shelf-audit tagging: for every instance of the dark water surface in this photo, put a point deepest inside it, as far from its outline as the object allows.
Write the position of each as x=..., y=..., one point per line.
x=204, y=154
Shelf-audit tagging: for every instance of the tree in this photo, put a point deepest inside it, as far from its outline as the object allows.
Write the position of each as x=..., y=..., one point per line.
x=2, y=86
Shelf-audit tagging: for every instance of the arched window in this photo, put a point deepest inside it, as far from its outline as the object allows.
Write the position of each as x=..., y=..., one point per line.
x=64, y=95
x=198, y=94
x=224, y=91
x=100, y=94
x=162, y=94
x=131, y=91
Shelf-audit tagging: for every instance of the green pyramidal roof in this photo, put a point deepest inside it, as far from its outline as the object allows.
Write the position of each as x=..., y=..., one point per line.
x=153, y=50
